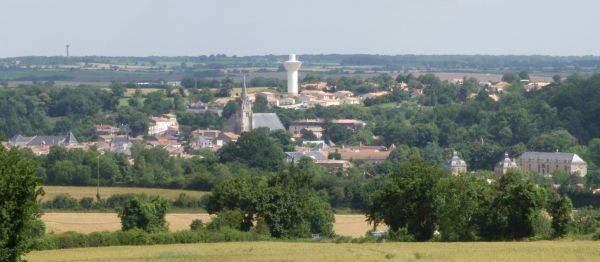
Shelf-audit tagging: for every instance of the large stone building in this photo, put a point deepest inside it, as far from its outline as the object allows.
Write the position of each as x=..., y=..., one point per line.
x=457, y=165
x=550, y=162
x=245, y=120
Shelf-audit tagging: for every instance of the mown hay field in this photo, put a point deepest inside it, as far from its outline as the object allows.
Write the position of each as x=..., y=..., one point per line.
x=79, y=192
x=286, y=251
x=346, y=225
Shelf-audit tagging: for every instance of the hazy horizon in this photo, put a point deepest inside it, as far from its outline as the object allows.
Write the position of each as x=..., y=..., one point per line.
x=262, y=27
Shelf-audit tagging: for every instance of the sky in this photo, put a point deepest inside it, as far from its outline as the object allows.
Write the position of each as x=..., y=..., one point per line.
x=259, y=27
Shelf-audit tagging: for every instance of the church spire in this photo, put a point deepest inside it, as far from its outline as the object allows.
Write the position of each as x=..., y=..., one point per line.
x=244, y=91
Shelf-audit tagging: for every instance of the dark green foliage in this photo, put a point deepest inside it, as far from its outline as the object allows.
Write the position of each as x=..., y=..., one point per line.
x=561, y=210
x=255, y=149
x=229, y=109
x=228, y=218
x=336, y=133
x=285, y=204
x=62, y=201
x=148, y=216
x=586, y=221
x=514, y=207
x=406, y=199
x=196, y=224
x=140, y=237
x=86, y=202
x=19, y=189
x=459, y=202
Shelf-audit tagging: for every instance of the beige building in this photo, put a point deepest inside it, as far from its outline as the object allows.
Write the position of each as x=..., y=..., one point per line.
x=550, y=162
x=505, y=165
x=457, y=165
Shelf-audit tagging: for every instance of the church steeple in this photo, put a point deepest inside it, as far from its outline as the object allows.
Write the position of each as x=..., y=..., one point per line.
x=244, y=91
x=245, y=110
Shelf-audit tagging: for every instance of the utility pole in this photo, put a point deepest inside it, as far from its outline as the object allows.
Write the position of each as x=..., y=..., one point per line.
x=98, y=180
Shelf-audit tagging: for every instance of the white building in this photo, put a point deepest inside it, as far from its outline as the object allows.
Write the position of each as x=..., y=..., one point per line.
x=161, y=124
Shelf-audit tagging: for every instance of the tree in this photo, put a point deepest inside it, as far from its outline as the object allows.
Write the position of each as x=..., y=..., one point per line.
x=117, y=89
x=511, y=213
x=292, y=208
x=260, y=105
x=229, y=109
x=241, y=193
x=561, y=210
x=459, y=201
x=149, y=216
x=19, y=189
x=594, y=150
x=406, y=199
x=524, y=75
x=336, y=133
x=559, y=139
x=308, y=135
x=255, y=149
x=510, y=77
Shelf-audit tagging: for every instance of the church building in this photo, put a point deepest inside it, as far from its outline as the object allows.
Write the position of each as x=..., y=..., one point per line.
x=245, y=120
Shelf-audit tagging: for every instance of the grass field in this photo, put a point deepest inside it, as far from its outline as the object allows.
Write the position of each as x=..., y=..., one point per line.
x=346, y=225
x=282, y=251
x=79, y=192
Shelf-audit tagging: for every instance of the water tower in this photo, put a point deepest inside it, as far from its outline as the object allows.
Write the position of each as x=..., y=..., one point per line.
x=292, y=66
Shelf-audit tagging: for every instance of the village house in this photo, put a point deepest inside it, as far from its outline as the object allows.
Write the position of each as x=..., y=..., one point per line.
x=115, y=144
x=535, y=85
x=317, y=125
x=159, y=125
x=105, y=130
x=373, y=154
x=333, y=165
x=206, y=138
x=40, y=145
x=201, y=107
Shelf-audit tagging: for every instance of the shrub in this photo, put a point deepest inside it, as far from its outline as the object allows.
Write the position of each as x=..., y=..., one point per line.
x=196, y=224
x=586, y=221
x=401, y=235
x=542, y=227
x=149, y=216
x=63, y=201
x=229, y=218
x=86, y=202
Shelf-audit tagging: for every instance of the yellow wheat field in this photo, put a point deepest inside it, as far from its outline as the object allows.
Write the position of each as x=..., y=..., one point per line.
x=283, y=251
x=79, y=192
x=346, y=225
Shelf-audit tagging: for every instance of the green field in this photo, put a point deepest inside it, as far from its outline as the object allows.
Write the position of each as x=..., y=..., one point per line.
x=282, y=251
x=79, y=192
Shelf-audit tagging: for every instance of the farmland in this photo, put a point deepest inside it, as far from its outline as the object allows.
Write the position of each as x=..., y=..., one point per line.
x=346, y=225
x=79, y=192
x=282, y=251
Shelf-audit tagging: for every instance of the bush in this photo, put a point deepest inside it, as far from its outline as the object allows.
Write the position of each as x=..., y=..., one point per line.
x=86, y=202
x=196, y=224
x=586, y=221
x=229, y=218
x=401, y=235
x=542, y=227
x=141, y=237
x=149, y=216
x=62, y=201
x=185, y=201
